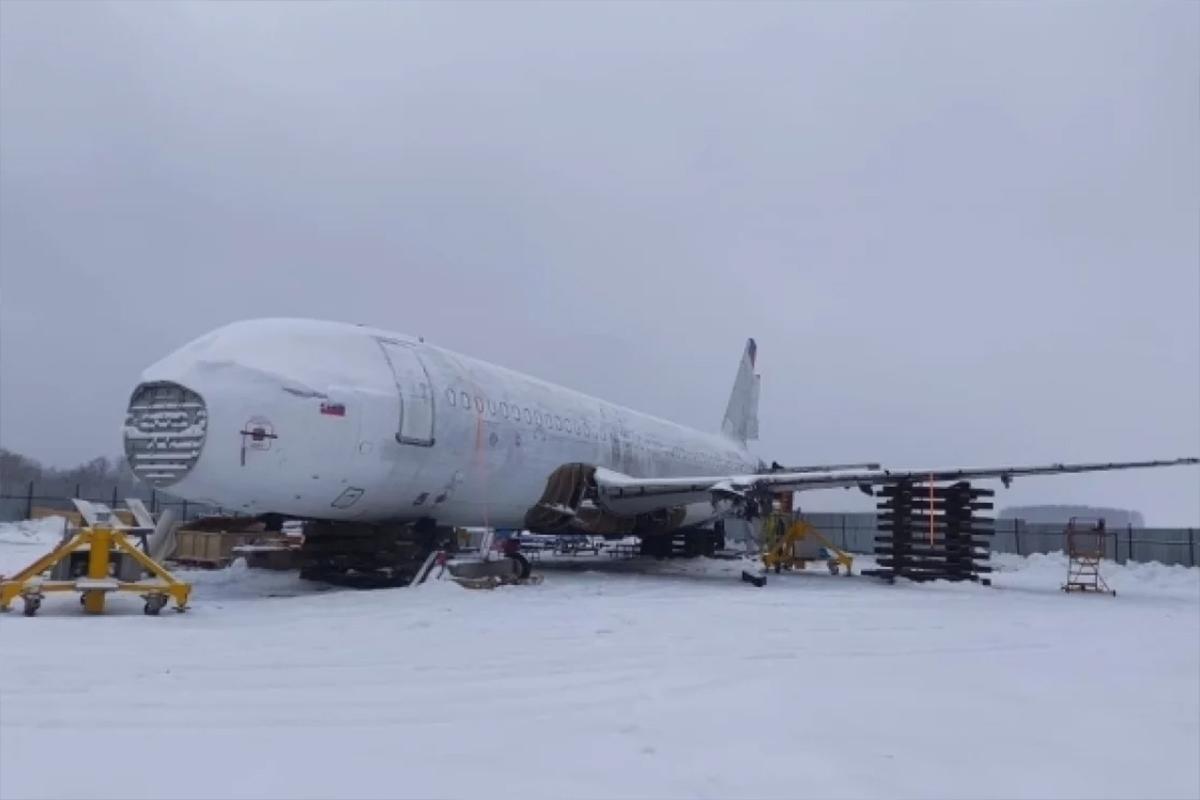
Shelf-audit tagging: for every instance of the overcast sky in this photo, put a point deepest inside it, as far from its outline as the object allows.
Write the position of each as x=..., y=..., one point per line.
x=963, y=233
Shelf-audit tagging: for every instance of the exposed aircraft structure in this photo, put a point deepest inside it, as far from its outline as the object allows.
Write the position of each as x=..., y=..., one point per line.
x=375, y=434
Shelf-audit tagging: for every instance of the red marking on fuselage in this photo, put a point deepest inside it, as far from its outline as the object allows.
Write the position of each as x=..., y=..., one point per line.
x=333, y=409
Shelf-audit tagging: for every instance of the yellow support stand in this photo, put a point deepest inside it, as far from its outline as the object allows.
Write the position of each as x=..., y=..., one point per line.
x=782, y=534
x=31, y=587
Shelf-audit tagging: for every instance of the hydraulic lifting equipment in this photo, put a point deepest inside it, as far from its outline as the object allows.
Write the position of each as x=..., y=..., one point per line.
x=101, y=542
x=789, y=544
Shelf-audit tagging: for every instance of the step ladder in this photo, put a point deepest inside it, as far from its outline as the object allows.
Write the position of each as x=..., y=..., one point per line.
x=1085, y=540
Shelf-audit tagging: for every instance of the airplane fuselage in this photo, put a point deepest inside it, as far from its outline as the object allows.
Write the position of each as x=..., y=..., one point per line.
x=335, y=421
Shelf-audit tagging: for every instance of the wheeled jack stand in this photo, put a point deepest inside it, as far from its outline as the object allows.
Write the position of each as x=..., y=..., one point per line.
x=101, y=542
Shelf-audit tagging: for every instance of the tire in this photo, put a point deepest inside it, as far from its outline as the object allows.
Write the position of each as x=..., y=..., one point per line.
x=526, y=567
x=273, y=522
x=313, y=573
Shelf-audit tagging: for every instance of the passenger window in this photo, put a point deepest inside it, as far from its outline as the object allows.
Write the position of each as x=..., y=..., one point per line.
x=451, y=397
x=528, y=416
x=537, y=417
x=478, y=404
x=504, y=409
x=466, y=401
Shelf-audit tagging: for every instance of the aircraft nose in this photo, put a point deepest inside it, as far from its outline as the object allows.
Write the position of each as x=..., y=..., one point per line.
x=165, y=428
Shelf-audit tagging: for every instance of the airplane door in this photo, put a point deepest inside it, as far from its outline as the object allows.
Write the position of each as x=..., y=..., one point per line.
x=415, y=392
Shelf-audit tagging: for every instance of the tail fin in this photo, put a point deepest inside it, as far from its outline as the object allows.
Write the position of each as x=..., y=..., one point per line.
x=741, y=415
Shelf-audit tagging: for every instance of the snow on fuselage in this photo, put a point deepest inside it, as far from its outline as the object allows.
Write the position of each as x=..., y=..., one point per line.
x=336, y=421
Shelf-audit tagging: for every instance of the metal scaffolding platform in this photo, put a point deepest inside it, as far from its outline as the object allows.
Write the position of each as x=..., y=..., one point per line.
x=1085, y=539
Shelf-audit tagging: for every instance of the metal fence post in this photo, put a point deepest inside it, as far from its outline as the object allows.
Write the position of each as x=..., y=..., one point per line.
x=1017, y=535
x=114, y=498
x=1129, y=544
x=77, y=490
x=153, y=501
x=183, y=516
x=29, y=502
x=843, y=531
x=1192, y=546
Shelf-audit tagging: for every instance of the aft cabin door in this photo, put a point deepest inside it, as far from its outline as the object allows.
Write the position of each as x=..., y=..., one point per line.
x=415, y=391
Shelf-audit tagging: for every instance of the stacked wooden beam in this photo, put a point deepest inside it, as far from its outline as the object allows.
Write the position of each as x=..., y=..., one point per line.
x=930, y=532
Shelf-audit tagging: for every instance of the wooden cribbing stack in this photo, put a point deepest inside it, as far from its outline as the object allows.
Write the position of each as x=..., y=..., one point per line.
x=930, y=532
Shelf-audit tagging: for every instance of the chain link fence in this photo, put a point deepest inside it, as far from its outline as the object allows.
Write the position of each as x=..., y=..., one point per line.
x=856, y=533
x=42, y=497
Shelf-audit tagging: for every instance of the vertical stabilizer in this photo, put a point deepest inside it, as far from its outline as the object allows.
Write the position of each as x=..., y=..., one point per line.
x=741, y=415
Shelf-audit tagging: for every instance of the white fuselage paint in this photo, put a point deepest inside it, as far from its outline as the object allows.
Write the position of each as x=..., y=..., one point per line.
x=496, y=434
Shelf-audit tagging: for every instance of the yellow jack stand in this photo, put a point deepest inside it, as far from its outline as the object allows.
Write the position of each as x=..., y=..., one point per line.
x=29, y=585
x=783, y=535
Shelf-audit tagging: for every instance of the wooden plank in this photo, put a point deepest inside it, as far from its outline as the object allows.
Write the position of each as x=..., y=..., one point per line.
x=923, y=547
x=938, y=505
x=929, y=565
x=922, y=490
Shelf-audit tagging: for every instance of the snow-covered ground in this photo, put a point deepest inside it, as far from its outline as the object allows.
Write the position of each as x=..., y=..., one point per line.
x=611, y=682
x=24, y=542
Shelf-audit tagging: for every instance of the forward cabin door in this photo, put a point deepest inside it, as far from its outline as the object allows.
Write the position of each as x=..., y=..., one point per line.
x=415, y=391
